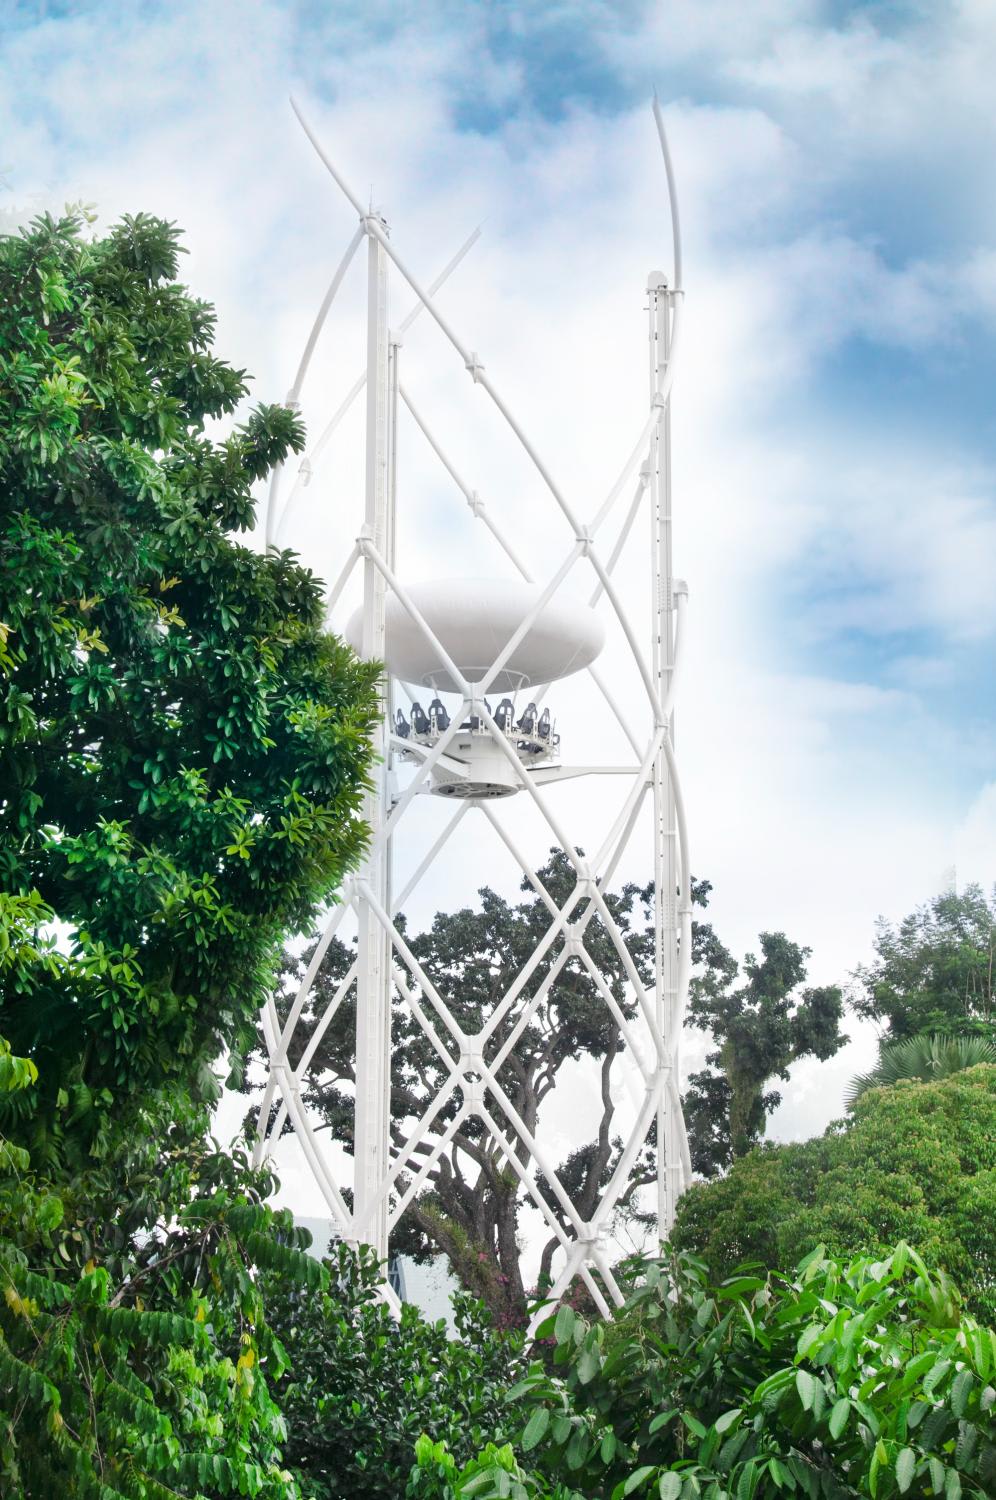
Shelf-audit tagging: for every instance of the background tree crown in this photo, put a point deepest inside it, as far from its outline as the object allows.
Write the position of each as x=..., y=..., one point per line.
x=935, y=971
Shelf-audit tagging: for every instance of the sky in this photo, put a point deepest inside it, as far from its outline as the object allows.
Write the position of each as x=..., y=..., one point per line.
x=834, y=429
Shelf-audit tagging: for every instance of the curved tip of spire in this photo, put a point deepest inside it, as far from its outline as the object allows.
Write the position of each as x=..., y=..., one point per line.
x=334, y=173
x=672, y=191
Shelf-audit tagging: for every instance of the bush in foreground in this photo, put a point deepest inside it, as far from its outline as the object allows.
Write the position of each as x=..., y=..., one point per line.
x=145, y=1373
x=363, y=1386
x=844, y=1380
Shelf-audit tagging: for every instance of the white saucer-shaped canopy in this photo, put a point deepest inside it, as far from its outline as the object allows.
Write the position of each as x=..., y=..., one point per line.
x=473, y=619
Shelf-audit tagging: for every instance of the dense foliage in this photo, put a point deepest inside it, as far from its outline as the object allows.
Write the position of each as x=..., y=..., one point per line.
x=144, y=1370
x=183, y=751
x=860, y=1379
x=182, y=757
x=182, y=748
x=935, y=971
x=917, y=1162
x=363, y=1386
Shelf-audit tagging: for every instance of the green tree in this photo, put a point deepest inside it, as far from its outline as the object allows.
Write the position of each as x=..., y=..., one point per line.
x=842, y=1379
x=362, y=1385
x=934, y=971
x=143, y=1371
x=183, y=752
x=760, y=1028
x=926, y=1058
x=182, y=748
x=917, y=1162
x=470, y=1209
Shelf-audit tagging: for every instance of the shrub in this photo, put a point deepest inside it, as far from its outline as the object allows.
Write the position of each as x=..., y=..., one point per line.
x=845, y=1379
x=363, y=1386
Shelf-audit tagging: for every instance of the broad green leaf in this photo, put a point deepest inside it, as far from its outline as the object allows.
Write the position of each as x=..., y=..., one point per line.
x=705, y=1312
x=968, y=1437
x=726, y=1421
x=563, y=1324
x=577, y=1449
x=669, y=1485
x=535, y=1428
x=936, y=1375
x=905, y=1469
x=561, y=1428
x=961, y=1388
x=524, y=1386
x=747, y=1482
x=807, y=1338
x=838, y=1416
x=780, y=1474
x=805, y=1384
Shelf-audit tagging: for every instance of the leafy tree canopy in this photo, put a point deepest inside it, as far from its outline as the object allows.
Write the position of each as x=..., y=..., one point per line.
x=182, y=757
x=470, y=1208
x=860, y=1379
x=182, y=748
x=917, y=1161
x=935, y=971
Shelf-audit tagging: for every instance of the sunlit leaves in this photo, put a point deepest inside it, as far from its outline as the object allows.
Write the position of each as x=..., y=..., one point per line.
x=721, y=1405
x=183, y=752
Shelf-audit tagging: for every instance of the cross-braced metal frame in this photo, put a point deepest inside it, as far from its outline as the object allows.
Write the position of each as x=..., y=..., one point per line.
x=388, y=1176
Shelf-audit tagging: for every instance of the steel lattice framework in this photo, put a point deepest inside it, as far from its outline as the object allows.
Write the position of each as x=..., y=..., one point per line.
x=385, y=971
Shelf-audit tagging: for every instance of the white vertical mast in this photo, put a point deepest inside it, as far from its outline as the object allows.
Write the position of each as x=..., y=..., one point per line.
x=665, y=833
x=373, y=987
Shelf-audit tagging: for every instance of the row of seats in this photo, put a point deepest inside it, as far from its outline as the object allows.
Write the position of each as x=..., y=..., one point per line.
x=437, y=720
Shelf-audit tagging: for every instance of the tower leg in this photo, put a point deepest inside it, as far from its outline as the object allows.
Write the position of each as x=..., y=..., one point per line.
x=665, y=823
x=373, y=985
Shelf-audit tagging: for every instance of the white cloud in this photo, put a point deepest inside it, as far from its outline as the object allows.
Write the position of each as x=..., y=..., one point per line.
x=975, y=841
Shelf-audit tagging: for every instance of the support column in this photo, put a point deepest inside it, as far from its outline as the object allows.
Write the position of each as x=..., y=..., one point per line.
x=665, y=821
x=373, y=984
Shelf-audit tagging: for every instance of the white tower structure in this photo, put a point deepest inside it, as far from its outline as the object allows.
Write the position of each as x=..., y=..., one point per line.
x=514, y=636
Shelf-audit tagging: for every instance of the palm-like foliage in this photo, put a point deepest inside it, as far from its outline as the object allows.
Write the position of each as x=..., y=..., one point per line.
x=926, y=1058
